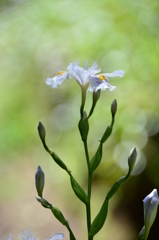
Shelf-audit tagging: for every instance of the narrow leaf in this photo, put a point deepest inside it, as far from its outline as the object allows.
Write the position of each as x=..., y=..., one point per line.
x=100, y=219
x=95, y=161
x=115, y=187
x=78, y=190
x=58, y=214
x=107, y=133
x=58, y=161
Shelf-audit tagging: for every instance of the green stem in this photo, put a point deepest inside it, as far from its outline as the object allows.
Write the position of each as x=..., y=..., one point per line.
x=88, y=206
x=72, y=237
x=83, y=101
x=92, y=109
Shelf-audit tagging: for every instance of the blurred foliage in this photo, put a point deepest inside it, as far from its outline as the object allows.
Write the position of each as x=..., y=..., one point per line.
x=37, y=38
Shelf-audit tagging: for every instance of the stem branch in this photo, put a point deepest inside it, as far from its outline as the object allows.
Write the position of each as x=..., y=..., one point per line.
x=88, y=206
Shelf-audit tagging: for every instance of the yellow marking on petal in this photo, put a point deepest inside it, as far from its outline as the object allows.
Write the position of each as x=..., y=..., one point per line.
x=60, y=73
x=101, y=77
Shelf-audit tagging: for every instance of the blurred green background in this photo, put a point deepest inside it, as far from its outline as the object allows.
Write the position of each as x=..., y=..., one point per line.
x=37, y=38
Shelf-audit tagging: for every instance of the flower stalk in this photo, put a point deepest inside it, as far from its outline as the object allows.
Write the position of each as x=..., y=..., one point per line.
x=91, y=80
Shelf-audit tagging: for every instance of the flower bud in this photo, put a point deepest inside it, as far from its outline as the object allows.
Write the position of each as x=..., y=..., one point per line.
x=151, y=202
x=39, y=180
x=132, y=159
x=114, y=108
x=83, y=127
x=96, y=95
x=42, y=132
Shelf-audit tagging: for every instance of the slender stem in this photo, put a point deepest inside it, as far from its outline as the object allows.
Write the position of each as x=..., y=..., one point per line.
x=92, y=109
x=96, y=96
x=88, y=207
x=72, y=237
x=83, y=101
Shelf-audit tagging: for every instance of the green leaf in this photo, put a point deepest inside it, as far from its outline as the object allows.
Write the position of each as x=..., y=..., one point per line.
x=115, y=187
x=141, y=234
x=78, y=190
x=58, y=214
x=60, y=217
x=58, y=161
x=95, y=161
x=100, y=219
x=107, y=133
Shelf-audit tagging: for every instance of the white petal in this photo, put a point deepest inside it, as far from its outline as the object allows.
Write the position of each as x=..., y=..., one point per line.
x=72, y=65
x=94, y=69
x=57, y=236
x=117, y=73
x=10, y=237
x=105, y=85
x=96, y=84
x=57, y=80
x=78, y=73
x=48, y=81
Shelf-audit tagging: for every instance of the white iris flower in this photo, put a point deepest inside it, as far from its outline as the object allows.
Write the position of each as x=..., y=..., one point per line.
x=81, y=75
x=101, y=81
x=89, y=79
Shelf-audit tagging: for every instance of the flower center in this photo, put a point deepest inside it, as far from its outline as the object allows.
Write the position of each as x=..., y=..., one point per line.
x=101, y=77
x=60, y=73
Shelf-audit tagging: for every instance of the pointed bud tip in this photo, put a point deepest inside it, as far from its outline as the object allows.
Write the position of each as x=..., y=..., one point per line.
x=132, y=158
x=39, y=180
x=133, y=152
x=41, y=131
x=39, y=169
x=114, y=107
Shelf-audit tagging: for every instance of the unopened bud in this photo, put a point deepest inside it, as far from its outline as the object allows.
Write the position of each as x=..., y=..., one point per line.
x=39, y=180
x=114, y=108
x=151, y=202
x=83, y=127
x=132, y=159
x=42, y=132
x=96, y=95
